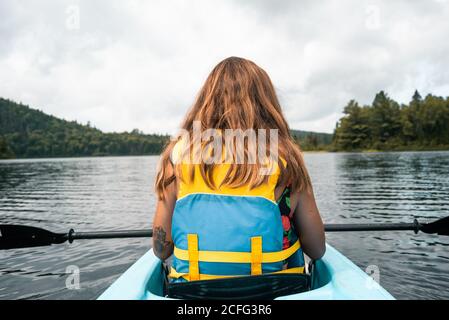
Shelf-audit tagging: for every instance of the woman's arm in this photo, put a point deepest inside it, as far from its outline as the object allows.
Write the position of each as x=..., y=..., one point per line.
x=308, y=223
x=162, y=238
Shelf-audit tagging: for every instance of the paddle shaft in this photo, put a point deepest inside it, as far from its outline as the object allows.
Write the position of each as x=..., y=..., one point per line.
x=72, y=235
x=373, y=227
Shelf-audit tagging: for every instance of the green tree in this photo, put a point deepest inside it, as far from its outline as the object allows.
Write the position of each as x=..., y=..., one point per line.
x=385, y=121
x=422, y=124
x=5, y=151
x=352, y=132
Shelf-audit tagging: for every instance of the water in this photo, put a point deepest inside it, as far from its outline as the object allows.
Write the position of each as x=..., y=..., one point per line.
x=115, y=193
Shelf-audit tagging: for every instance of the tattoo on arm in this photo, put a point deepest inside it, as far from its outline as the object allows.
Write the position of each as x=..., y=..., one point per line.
x=161, y=245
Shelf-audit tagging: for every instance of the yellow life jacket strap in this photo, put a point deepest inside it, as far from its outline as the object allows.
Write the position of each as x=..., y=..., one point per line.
x=192, y=245
x=256, y=255
x=239, y=257
x=176, y=275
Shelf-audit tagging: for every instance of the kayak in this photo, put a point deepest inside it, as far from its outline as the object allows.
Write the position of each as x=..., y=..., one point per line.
x=335, y=277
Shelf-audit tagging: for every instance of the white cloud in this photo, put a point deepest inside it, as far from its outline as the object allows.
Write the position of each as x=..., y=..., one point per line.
x=139, y=64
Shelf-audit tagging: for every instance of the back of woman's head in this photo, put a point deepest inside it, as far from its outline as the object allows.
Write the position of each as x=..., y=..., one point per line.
x=237, y=94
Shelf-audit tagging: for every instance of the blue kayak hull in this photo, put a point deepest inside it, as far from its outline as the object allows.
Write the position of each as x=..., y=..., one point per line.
x=336, y=278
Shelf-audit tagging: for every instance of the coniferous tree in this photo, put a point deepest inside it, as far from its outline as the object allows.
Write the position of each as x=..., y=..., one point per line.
x=384, y=125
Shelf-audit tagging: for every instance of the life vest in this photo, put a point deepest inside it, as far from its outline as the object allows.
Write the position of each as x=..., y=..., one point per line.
x=228, y=232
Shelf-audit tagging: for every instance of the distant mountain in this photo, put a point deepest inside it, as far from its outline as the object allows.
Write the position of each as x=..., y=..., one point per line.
x=30, y=133
x=312, y=140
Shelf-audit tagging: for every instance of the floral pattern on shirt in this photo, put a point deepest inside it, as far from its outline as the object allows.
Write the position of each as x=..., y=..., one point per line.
x=287, y=219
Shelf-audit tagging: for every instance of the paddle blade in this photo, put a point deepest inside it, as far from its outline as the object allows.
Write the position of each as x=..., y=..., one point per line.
x=14, y=236
x=440, y=227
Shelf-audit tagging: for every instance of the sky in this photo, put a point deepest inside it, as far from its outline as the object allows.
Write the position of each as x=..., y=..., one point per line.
x=139, y=64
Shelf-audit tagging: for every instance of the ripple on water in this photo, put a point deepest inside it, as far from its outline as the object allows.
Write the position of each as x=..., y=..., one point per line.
x=116, y=193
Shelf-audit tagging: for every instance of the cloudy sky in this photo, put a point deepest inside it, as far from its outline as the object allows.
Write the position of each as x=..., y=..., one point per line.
x=139, y=64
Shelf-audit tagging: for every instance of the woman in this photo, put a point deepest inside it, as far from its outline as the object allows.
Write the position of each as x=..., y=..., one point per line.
x=221, y=210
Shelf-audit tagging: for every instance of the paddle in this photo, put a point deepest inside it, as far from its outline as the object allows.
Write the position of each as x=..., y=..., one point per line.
x=17, y=236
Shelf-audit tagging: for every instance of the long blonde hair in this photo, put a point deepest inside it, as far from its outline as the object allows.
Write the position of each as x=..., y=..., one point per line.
x=238, y=94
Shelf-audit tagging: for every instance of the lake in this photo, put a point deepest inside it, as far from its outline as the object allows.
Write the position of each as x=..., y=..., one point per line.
x=113, y=193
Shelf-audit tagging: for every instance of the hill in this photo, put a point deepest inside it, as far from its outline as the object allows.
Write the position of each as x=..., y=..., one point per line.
x=309, y=140
x=29, y=133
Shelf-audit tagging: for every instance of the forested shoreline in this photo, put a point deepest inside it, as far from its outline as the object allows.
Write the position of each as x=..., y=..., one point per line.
x=30, y=133
x=385, y=125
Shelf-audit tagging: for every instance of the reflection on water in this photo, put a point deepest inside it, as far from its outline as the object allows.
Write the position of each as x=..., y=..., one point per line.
x=116, y=193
